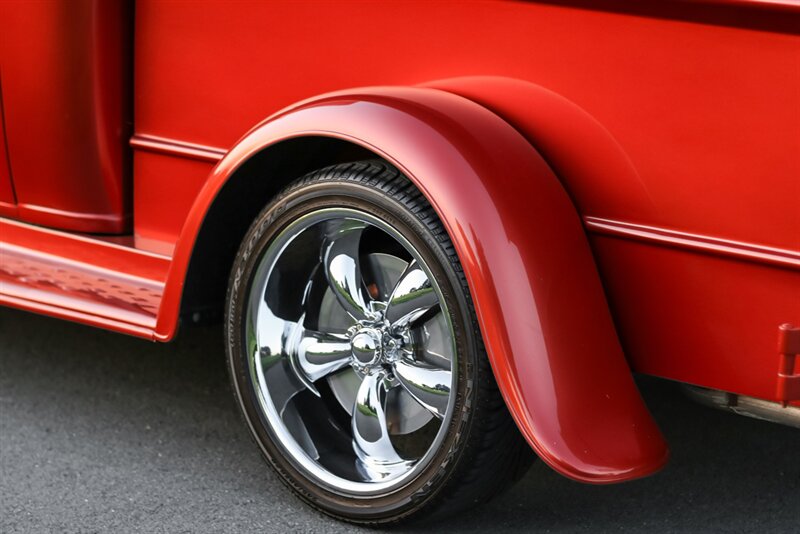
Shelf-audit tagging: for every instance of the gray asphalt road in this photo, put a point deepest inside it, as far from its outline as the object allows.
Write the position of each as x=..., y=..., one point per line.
x=104, y=433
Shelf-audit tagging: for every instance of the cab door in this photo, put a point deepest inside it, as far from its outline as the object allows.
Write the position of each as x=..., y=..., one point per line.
x=66, y=82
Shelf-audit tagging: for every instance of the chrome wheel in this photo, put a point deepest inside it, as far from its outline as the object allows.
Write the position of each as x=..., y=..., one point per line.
x=355, y=353
x=351, y=351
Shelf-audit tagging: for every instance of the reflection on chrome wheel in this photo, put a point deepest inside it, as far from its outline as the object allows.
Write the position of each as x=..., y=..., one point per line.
x=355, y=356
x=369, y=338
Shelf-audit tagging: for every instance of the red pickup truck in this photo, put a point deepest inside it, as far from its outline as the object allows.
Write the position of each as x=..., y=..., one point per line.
x=440, y=236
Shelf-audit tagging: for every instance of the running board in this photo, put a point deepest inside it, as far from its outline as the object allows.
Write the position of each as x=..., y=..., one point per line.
x=747, y=406
x=90, y=280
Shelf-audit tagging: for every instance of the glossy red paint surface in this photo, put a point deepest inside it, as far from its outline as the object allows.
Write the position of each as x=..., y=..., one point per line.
x=674, y=128
x=79, y=278
x=8, y=200
x=577, y=391
x=66, y=85
x=728, y=310
x=707, y=116
x=161, y=206
x=671, y=306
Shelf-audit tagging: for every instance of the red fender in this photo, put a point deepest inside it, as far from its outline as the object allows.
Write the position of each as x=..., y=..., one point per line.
x=598, y=174
x=540, y=303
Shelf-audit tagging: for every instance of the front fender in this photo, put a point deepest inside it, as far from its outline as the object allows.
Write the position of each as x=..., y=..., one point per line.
x=540, y=304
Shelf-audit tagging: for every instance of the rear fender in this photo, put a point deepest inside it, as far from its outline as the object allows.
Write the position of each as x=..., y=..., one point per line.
x=599, y=176
x=540, y=304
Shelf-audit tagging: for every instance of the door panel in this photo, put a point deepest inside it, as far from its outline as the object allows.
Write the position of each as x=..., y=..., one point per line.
x=66, y=80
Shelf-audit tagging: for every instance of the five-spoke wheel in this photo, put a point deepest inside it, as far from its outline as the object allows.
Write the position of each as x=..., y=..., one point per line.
x=368, y=337
x=355, y=355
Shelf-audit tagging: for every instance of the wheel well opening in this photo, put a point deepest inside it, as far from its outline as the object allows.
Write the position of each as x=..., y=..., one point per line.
x=236, y=206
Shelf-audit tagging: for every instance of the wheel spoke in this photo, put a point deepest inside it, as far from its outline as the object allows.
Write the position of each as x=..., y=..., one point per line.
x=413, y=296
x=370, y=432
x=319, y=354
x=341, y=259
x=429, y=385
x=306, y=355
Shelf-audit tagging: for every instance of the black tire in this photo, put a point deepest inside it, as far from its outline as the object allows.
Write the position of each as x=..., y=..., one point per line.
x=481, y=452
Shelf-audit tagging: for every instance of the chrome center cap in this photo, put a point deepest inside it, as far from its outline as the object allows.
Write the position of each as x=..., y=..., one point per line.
x=367, y=346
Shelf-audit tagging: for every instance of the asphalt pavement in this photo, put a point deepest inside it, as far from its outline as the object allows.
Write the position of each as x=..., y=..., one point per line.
x=100, y=432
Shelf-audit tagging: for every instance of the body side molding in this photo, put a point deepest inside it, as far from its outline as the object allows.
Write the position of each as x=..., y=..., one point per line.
x=666, y=237
x=180, y=149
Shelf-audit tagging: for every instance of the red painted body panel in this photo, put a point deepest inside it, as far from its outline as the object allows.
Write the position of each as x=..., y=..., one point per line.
x=725, y=313
x=8, y=200
x=708, y=116
x=66, y=86
x=161, y=206
x=559, y=365
x=654, y=289
x=673, y=126
x=76, y=277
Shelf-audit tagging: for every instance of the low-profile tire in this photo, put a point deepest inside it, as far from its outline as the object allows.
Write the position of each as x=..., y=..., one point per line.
x=355, y=354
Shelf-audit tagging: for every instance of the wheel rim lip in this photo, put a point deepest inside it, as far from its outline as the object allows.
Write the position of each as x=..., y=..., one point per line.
x=275, y=426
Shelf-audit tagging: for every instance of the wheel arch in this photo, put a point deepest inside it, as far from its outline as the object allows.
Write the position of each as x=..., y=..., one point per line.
x=237, y=204
x=541, y=306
